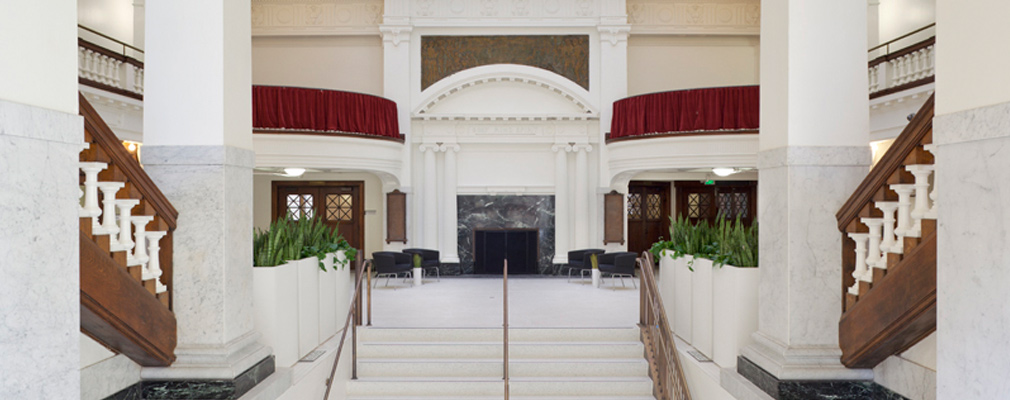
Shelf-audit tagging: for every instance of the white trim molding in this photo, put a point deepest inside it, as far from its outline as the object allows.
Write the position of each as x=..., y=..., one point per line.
x=316, y=17
x=657, y=17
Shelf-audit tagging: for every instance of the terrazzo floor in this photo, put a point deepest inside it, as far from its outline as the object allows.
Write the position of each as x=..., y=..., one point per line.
x=476, y=302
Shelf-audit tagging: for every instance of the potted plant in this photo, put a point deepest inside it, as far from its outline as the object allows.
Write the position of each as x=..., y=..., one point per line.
x=275, y=291
x=596, y=270
x=416, y=272
x=735, y=292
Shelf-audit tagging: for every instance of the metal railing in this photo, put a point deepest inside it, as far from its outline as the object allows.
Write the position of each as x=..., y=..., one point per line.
x=664, y=363
x=887, y=45
x=117, y=43
x=505, y=324
x=352, y=322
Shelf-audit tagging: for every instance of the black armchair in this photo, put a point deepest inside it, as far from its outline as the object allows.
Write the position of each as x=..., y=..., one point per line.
x=429, y=260
x=620, y=264
x=391, y=263
x=580, y=260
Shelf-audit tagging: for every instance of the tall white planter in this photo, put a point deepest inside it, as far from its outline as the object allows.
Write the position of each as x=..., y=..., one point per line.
x=275, y=310
x=735, y=311
x=701, y=306
x=341, y=280
x=682, y=277
x=327, y=300
x=308, y=305
x=667, y=285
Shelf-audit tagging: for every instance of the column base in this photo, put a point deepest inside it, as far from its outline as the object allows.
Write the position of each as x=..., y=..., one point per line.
x=808, y=389
x=450, y=259
x=800, y=363
x=212, y=362
x=560, y=259
x=199, y=388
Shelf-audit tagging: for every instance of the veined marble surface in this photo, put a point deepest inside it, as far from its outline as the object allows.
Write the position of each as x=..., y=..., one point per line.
x=973, y=256
x=39, y=274
x=211, y=186
x=494, y=212
x=108, y=377
x=906, y=378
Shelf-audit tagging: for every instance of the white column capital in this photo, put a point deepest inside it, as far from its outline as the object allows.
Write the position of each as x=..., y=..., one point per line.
x=583, y=147
x=395, y=34
x=433, y=147
x=445, y=147
x=566, y=147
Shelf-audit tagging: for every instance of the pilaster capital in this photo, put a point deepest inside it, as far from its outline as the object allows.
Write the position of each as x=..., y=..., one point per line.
x=566, y=147
x=432, y=147
x=446, y=147
x=395, y=34
x=586, y=147
x=614, y=34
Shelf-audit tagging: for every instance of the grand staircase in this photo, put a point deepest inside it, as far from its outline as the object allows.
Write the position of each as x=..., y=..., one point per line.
x=544, y=363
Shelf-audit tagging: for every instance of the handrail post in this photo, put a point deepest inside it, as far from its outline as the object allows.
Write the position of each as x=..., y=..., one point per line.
x=505, y=324
x=369, y=279
x=354, y=342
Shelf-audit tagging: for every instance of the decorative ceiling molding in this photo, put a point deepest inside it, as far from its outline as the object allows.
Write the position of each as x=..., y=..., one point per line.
x=316, y=17
x=505, y=9
x=656, y=17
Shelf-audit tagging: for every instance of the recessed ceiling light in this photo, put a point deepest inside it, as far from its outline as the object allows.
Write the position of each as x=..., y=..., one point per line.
x=724, y=171
x=294, y=171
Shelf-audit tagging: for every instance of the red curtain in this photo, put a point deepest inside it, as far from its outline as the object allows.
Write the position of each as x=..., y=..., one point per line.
x=278, y=107
x=711, y=109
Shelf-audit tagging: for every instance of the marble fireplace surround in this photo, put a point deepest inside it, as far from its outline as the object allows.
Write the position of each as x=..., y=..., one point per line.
x=505, y=212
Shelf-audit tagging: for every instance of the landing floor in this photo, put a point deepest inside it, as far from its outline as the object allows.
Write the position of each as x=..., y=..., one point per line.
x=476, y=302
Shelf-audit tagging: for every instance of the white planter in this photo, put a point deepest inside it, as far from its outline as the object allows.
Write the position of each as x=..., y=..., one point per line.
x=701, y=306
x=667, y=285
x=327, y=300
x=735, y=307
x=682, y=298
x=342, y=279
x=418, y=278
x=308, y=305
x=275, y=310
x=596, y=277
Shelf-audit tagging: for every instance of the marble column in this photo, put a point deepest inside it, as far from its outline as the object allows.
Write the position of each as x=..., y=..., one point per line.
x=562, y=213
x=972, y=171
x=198, y=150
x=40, y=139
x=450, y=237
x=813, y=153
x=582, y=195
x=429, y=220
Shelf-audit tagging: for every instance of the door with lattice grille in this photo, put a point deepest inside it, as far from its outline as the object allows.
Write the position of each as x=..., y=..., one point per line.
x=697, y=201
x=338, y=204
x=648, y=213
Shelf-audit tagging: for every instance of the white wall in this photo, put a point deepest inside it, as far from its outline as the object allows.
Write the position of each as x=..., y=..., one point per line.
x=912, y=373
x=350, y=63
x=663, y=63
x=39, y=39
x=111, y=17
x=970, y=74
x=375, y=215
x=104, y=373
x=898, y=17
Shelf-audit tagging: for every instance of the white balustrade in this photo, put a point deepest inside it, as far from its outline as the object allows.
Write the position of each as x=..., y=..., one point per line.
x=889, y=242
x=873, y=256
x=931, y=214
x=921, y=172
x=139, y=256
x=153, y=268
x=97, y=67
x=108, y=226
x=920, y=64
x=91, y=170
x=906, y=227
x=861, y=271
x=125, y=242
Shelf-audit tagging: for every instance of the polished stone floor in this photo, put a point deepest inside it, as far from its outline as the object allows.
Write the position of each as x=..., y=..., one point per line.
x=476, y=302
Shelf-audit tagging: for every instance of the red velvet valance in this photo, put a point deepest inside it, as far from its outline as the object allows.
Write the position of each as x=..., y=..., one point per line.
x=292, y=108
x=711, y=109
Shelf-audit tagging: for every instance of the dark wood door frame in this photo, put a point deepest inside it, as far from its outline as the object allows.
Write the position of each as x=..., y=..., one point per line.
x=638, y=240
x=359, y=208
x=683, y=188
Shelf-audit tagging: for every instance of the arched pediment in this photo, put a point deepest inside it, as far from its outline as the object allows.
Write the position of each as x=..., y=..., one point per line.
x=505, y=92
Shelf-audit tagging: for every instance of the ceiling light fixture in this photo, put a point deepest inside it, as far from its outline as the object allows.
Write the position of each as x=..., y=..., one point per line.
x=724, y=172
x=294, y=171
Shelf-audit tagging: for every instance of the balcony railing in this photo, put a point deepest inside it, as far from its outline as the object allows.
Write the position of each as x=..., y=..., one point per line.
x=905, y=68
x=722, y=110
x=99, y=66
x=282, y=109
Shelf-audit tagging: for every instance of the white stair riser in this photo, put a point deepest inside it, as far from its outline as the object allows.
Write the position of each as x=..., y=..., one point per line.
x=492, y=388
x=492, y=351
x=489, y=369
x=495, y=335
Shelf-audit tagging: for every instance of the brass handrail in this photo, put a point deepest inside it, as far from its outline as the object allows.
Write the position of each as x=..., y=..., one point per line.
x=665, y=369
x=107, y=37
x=887, y=44
x=505, y=324
x=352, y=313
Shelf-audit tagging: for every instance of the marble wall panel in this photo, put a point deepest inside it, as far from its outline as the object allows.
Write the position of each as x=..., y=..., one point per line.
x=497, y=212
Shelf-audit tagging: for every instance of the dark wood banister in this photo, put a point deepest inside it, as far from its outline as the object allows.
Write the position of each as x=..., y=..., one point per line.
x=104, y=137
x=892, y=160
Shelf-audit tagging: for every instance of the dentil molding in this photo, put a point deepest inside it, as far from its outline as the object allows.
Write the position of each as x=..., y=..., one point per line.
x=316, y=17
x=734, y=17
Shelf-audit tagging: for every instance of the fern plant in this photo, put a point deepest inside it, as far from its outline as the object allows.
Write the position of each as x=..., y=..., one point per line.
x=288, y=239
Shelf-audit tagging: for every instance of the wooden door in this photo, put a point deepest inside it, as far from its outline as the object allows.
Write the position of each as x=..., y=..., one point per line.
x=339, y=204
x=697, y=201
x=648, y=214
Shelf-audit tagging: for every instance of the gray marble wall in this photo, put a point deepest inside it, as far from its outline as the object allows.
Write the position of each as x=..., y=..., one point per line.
x=39, y=271
x=496, y=212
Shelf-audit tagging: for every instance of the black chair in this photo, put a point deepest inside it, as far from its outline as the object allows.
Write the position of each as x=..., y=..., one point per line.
x=580, y=260
x=429, y=260
x=391, y=263
x=620, y=264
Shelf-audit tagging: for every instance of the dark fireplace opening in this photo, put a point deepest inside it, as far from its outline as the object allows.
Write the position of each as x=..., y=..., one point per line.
x=493, y=247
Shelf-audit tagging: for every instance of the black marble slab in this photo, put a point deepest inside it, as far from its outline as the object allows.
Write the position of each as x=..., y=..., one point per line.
x=505, y=212
x=225, y=389
x=812, y=390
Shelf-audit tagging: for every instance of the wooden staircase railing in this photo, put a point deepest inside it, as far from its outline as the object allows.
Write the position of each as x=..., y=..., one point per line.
x=126, y=250
x=667, y=374
x=889, y=251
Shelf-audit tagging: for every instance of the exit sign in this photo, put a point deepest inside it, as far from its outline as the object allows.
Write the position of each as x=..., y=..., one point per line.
x=710, y=182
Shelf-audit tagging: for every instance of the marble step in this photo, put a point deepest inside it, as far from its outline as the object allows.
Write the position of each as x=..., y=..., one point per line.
x=517, y=351
x=443, y=388
x=499, y=397
x=494, y=335
x=493, y=368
